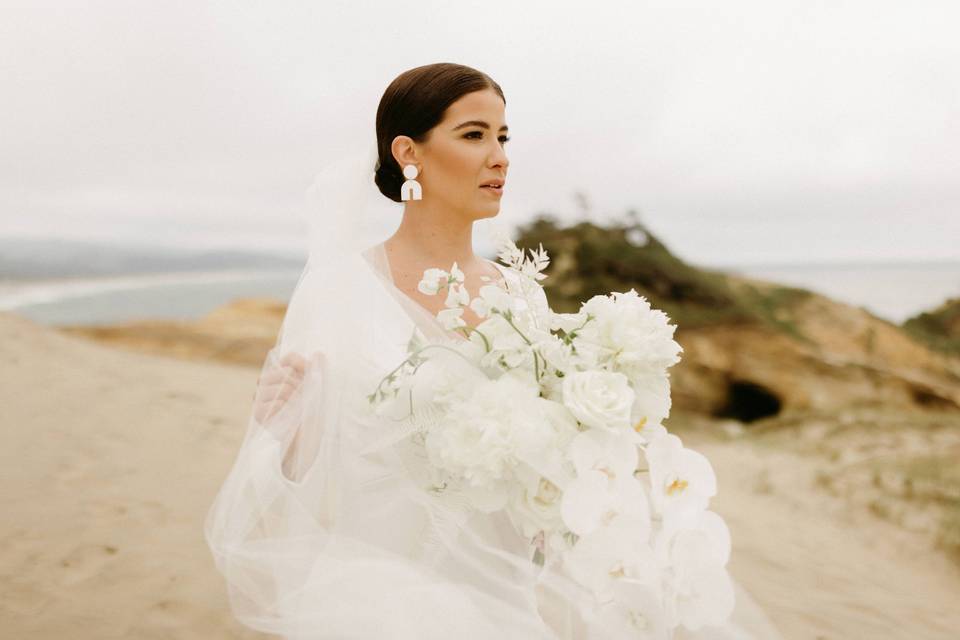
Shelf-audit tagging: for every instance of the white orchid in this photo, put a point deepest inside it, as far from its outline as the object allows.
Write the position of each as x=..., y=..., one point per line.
x=681, y=480
x=618, y=550
x=652, y=400
x=605, y=486
x=696, y=549
x=634, y=610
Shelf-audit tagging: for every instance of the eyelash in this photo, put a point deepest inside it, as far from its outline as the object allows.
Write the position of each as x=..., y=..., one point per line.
x=504, y=139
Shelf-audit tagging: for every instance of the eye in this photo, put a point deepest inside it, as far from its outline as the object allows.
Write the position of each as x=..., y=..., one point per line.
x=503, y=139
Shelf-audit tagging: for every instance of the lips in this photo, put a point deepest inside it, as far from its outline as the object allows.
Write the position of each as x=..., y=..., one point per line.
x=495, y=186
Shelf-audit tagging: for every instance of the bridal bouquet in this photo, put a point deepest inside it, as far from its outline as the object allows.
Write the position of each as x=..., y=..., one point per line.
x=556, y=419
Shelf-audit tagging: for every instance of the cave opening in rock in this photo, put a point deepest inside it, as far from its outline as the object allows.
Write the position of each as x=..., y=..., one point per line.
x=748, y=401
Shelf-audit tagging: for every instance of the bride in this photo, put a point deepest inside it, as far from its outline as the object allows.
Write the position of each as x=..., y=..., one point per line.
x=324, y=527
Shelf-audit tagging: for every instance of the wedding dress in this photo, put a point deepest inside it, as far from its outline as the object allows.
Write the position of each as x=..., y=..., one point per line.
x=324, y=527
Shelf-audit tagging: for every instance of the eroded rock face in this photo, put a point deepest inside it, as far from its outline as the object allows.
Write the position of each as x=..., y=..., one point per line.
x=845, y=356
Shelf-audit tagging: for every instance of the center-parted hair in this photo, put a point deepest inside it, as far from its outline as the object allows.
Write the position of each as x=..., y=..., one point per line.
x=413, y=104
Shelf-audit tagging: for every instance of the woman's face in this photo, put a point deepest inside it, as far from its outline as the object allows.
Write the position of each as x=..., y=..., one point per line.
x=461, y=153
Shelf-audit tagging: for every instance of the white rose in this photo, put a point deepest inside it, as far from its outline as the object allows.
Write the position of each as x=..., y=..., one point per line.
x=599, y=399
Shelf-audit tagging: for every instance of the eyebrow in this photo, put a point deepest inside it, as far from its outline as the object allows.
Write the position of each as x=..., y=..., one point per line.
x=477, y=123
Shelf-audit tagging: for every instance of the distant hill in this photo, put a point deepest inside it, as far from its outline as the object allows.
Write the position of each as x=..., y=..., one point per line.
x=32, y=258
x=751, y=348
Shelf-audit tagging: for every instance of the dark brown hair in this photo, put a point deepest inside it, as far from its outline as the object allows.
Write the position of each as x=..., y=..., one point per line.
x=413, y=104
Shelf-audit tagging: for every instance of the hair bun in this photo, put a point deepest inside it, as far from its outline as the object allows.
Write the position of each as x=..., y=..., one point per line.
x=388, y=181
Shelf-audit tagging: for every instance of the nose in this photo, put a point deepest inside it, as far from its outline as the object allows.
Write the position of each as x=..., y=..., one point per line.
x=499, y=158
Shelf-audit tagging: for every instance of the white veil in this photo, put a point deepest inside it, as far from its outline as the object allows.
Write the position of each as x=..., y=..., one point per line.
x=324, y=528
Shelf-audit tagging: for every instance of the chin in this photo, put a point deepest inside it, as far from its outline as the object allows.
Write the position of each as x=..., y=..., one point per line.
x=487, y=214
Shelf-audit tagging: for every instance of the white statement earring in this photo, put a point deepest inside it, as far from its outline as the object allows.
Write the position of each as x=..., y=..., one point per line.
x=410, y=190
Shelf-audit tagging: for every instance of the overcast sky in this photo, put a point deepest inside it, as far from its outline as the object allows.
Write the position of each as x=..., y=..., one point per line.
x=743, y=132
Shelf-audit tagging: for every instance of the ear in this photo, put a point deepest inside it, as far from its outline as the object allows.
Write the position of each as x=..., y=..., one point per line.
x=405, y=151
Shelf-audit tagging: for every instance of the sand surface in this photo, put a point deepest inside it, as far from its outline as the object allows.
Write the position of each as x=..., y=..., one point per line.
x=110, y=459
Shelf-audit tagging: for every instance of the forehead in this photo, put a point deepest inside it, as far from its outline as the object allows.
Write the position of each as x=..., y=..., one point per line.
x=482, y=105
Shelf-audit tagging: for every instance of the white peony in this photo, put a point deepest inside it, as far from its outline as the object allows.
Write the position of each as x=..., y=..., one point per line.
x=498, y=424
x=626, y=335
x=599, y=399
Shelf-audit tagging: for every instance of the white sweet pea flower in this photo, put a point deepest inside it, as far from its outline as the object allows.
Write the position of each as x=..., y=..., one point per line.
x=567, y=322
x=599, y=399
x=456, y=274
x=507, y=348
x=492, y=298
x=450, y=318
x=681, y=480
x=457, y=296
x=432, y=280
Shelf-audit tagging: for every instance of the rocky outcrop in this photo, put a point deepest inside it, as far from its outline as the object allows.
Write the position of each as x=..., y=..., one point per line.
x=241, y=332
x=752, y=349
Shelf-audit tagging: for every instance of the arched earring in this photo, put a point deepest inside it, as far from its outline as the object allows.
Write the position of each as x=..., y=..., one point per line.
x=411, y=190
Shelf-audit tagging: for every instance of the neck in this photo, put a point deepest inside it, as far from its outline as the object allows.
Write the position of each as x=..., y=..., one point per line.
x=431, y=236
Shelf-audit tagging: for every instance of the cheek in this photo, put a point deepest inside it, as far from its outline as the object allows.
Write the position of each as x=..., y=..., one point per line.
x=457, y=169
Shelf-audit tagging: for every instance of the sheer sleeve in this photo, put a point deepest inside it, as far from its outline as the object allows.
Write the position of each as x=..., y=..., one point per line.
x=276, y=509
x=322, y=529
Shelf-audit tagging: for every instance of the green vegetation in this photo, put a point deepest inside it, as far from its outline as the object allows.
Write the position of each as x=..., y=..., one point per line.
x=588, y=260
x=939, y=329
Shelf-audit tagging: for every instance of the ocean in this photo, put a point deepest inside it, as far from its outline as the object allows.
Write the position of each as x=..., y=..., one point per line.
x=74, y=283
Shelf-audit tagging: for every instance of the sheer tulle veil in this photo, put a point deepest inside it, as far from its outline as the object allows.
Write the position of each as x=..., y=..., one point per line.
x=324, y=527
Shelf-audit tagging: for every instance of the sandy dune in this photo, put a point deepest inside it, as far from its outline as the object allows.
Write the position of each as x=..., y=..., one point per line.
x=110, y=459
